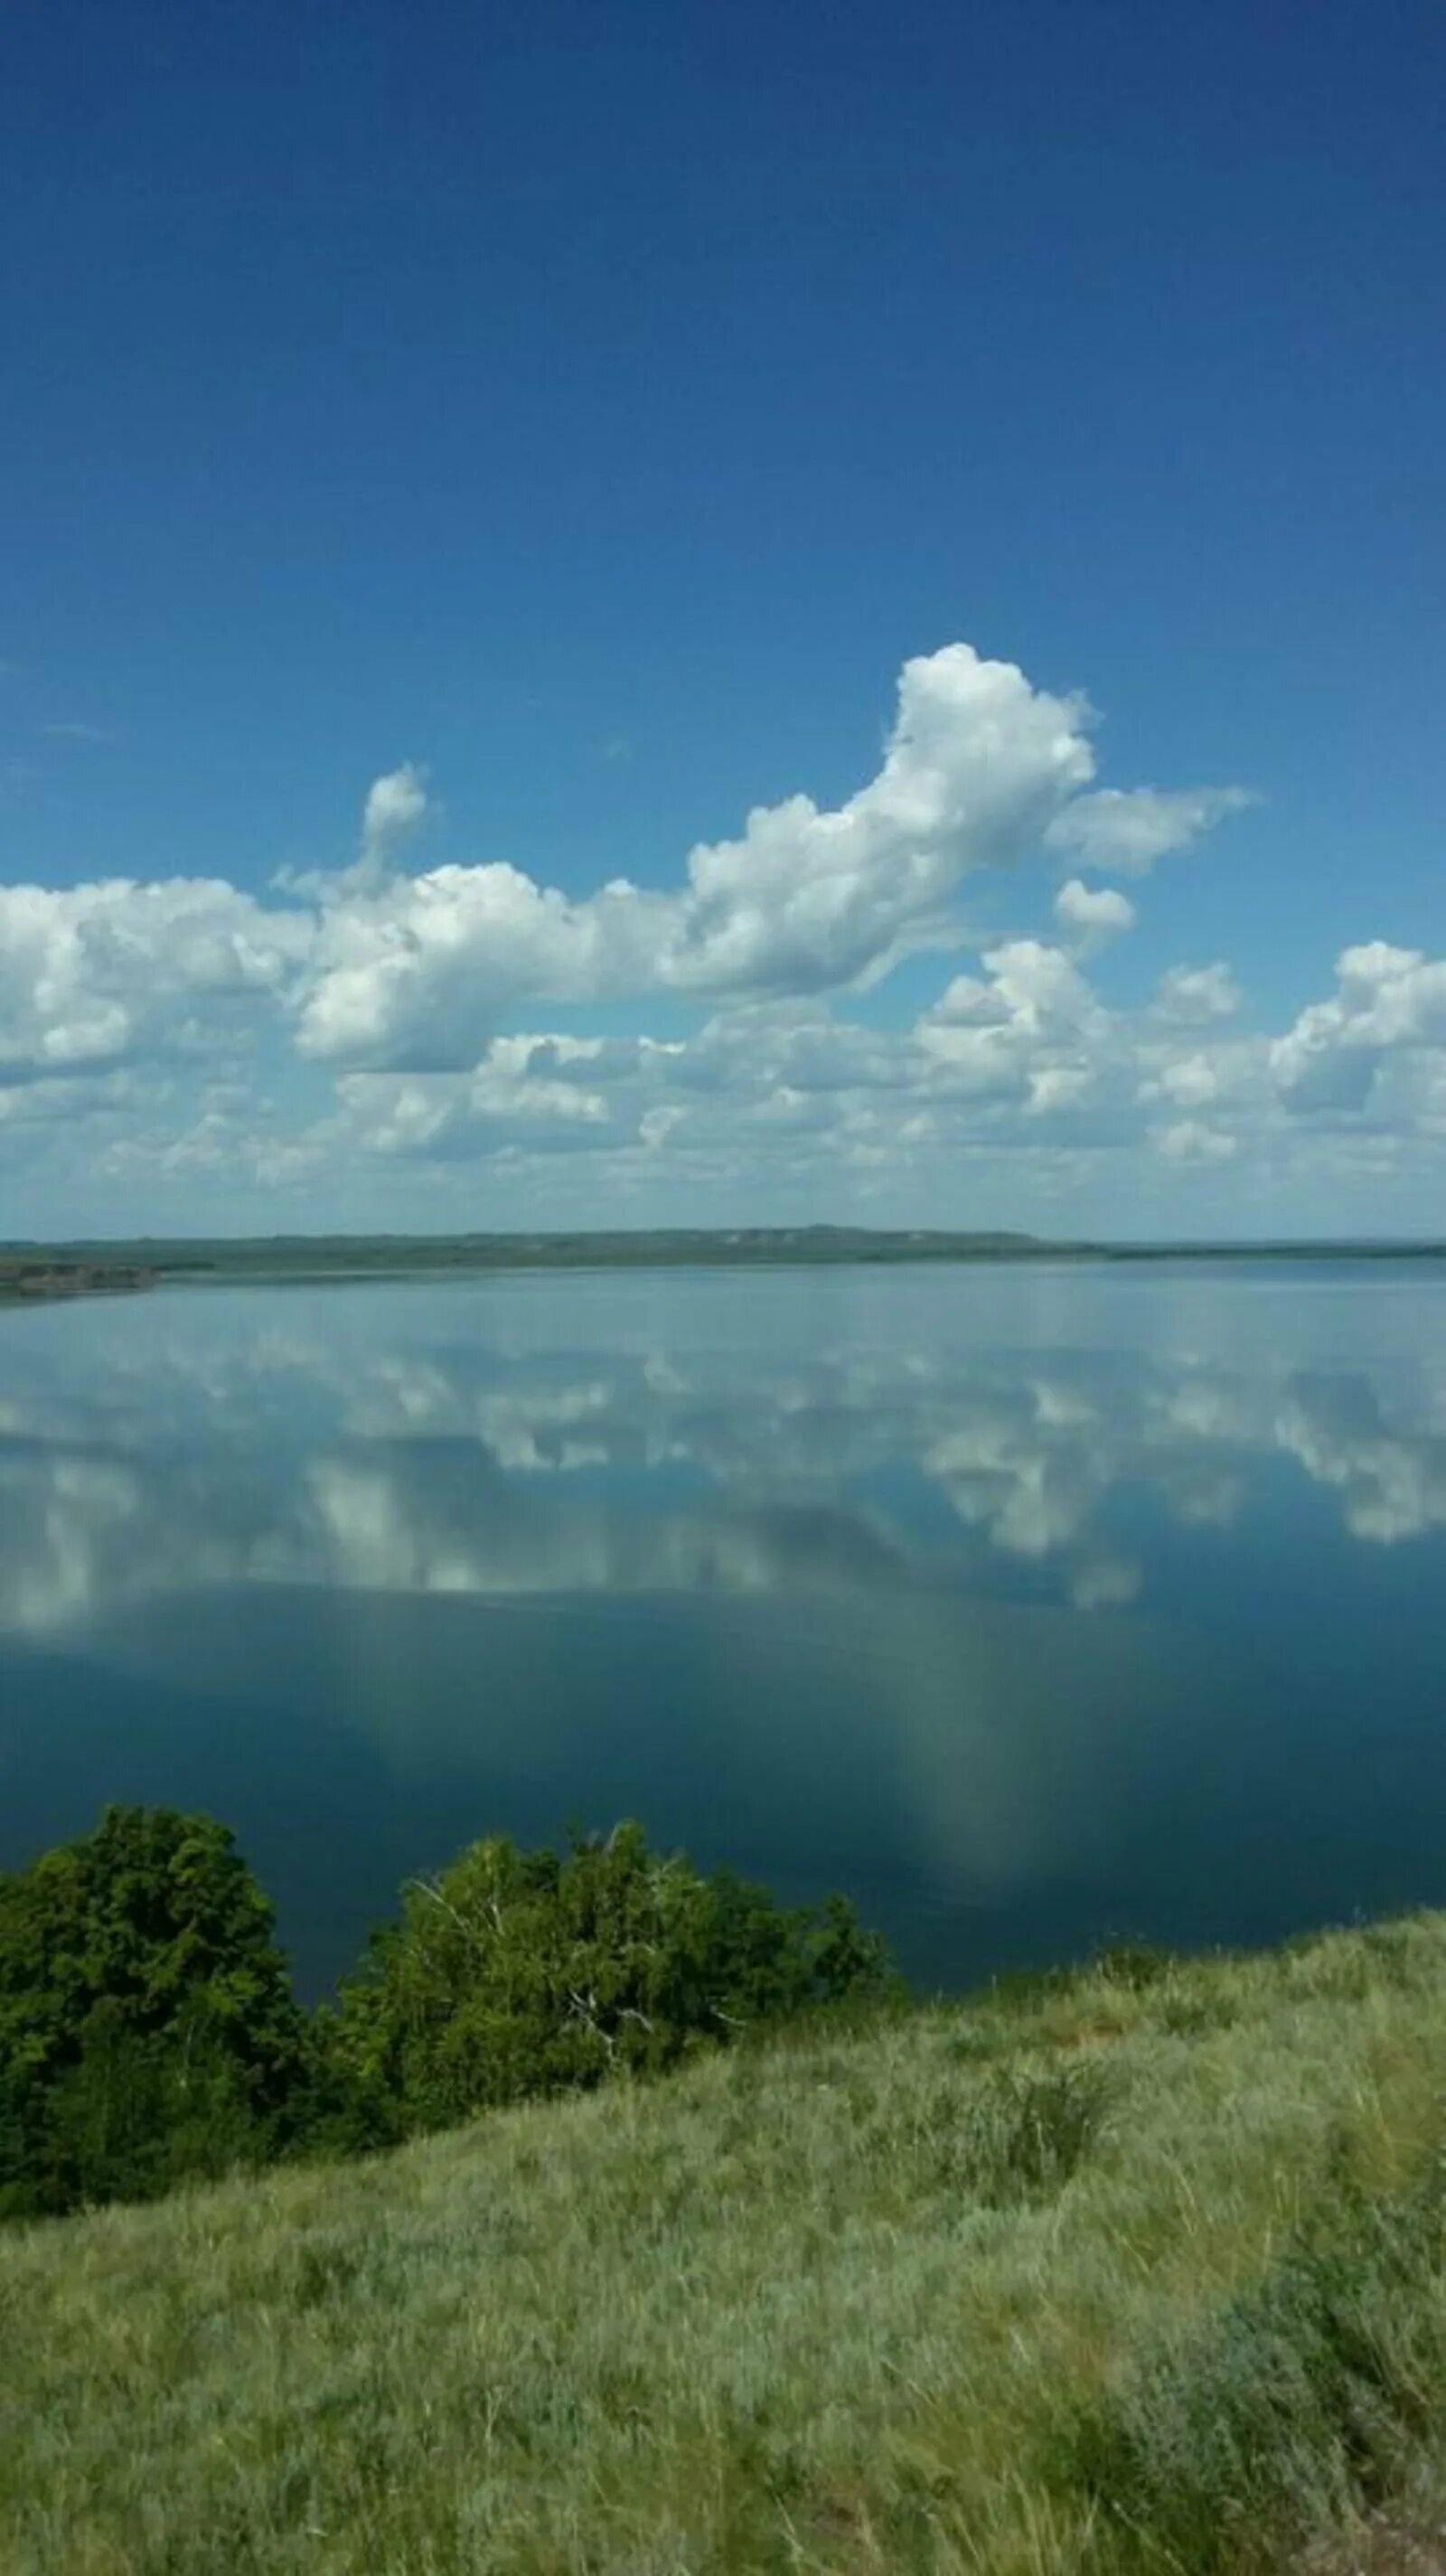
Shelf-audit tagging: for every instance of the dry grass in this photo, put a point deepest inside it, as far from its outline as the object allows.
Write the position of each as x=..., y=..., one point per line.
x=840, y=2306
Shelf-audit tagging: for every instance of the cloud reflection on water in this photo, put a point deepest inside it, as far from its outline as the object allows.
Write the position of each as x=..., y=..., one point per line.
x=484, y=1466
x=1026, y=1609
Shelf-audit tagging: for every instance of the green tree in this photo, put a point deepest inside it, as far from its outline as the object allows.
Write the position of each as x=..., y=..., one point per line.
x=147, y=2027
x=523, y=1972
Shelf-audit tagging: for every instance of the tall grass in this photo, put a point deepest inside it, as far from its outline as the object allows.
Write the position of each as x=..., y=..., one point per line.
x=1307, y=2394
x=1139, y=2269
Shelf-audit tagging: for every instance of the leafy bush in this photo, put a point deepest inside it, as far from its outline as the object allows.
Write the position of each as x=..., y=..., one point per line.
x=519, y=1973
x=147, y=2027
x=148, y=2032
x=1296, y=2404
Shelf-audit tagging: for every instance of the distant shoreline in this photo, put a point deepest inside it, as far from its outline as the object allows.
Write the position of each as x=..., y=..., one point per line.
x=34, y=1273
x=38, y=1279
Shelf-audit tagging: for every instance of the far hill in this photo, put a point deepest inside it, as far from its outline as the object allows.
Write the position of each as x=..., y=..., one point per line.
x=319, y=1255
x=354, y=1256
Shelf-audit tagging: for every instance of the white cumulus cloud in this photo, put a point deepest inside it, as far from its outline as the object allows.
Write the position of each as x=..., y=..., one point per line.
x=1190, y=1141
x=1093, y=913
x=371, y=1030
x=1130, y=828
x=806, y=900
x=92, y=974
x=1196, y=995
x=394, y=807
x=1387, y=999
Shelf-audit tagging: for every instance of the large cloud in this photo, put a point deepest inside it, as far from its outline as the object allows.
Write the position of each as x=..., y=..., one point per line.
x=976, y=766
x=1020, y=1057
x=93, y=974
x=806, y=900
x=1386, y=999
x=384, y=970
x=1032, y=1029
x=1027, y=1038
x=373, y=1018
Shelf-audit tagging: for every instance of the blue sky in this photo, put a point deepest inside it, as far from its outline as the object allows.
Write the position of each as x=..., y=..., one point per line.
x=581, y=417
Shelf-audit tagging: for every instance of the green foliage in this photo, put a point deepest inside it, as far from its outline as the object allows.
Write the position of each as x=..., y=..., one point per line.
x=748, y=2320
x=147, y=2028
x=1135, y=1965
x=1023, y=2132
x=520, y=1973
x=148, y=2032
x=1293, y=2407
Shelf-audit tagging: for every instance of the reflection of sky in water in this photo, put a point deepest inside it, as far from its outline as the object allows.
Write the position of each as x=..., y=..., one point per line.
x=1030, y=1604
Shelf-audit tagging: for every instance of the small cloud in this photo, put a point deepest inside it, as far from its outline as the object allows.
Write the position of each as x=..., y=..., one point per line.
x=1058, y=1086
x=1191, y=1142
x=1196, y=995
x=1130, y=828
x=618, y=749
x=1109, y=1583
x=1093, y=915
x=73, y=731
x=396, y=803
x=1191, y=1082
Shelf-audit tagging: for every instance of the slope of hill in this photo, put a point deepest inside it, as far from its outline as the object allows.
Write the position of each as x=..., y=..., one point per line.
x=1139, y=2268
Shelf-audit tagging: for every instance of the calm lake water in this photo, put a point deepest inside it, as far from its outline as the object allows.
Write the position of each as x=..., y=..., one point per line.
x=1033, y=1606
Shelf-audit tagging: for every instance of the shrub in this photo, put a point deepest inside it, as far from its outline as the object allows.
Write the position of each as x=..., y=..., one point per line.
x=148, y=2033
x=1294, y=2405
x=528, y=1972
x=147, y=2027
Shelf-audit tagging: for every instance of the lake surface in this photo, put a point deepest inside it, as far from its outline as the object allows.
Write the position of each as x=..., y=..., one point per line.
x=1034, y=1606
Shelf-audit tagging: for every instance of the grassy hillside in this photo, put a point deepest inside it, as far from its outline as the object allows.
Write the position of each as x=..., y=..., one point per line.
x=1140, y=2269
